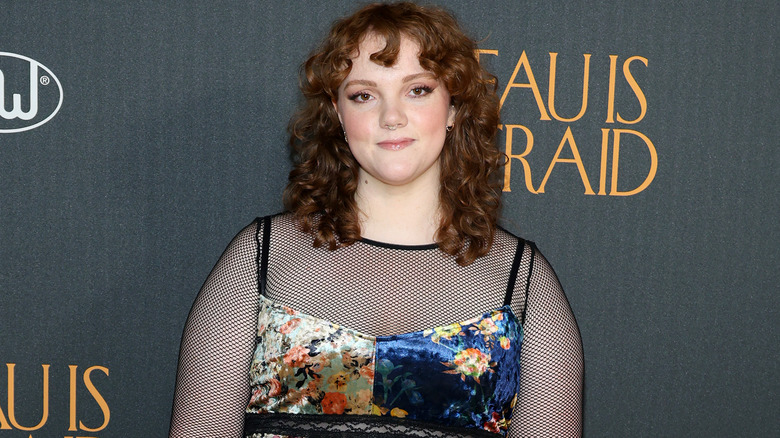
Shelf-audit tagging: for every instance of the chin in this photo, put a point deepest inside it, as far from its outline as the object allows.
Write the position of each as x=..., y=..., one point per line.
x=395, y=181
x=403, y=173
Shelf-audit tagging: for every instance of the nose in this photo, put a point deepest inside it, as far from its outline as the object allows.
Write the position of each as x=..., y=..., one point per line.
x=393, y=115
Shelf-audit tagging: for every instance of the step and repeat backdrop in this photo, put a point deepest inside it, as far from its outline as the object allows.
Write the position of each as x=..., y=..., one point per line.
x=137, y=137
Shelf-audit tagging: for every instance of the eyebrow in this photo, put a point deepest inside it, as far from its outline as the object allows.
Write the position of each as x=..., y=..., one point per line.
x=408, y=78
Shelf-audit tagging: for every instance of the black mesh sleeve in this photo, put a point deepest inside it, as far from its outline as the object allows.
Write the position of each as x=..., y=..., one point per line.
x=212, y=385
x=550, y=399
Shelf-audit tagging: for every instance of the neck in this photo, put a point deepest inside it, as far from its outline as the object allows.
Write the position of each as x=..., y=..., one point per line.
x=404, y=215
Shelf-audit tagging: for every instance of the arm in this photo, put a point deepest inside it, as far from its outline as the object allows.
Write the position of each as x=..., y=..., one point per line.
x=212, y=385
x=550, y=398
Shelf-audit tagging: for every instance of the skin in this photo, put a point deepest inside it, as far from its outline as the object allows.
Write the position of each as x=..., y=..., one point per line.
x=399, y=168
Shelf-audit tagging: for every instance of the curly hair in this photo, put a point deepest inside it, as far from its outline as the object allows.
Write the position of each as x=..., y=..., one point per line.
x=322, y=185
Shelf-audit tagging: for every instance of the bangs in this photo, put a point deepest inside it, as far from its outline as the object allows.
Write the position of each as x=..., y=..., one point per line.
x=391, y=25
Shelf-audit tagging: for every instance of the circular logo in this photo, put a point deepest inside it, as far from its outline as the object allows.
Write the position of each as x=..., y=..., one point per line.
x=30, y=93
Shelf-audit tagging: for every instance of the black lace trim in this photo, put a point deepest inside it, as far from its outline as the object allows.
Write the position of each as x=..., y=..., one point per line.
x=352, y=426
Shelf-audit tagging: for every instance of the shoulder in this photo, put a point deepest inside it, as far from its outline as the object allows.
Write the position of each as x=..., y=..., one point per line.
x=243, y=247
x=521, y=249
x=282, y=220
x=251, y=237
x=246, y=248
x=282, y=235
x=534, y=271
x=530, y=251
x=504, y=235
x=283, y=225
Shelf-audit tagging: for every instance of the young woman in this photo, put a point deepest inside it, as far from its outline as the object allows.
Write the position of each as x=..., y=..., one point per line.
x=386, y=301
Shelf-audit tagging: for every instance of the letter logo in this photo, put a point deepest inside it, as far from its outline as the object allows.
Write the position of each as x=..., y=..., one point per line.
x=30, y=86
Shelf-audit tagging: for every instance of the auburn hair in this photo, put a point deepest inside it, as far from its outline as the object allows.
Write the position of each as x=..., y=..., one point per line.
x=322, y=184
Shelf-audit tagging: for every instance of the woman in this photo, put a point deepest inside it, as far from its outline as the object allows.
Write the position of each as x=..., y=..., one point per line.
x=386, y=302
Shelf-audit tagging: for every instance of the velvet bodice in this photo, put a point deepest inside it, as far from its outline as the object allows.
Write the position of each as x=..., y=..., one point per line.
x=460, y=376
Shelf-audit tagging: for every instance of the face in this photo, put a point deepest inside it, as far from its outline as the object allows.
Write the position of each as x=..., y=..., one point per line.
x=395, y=118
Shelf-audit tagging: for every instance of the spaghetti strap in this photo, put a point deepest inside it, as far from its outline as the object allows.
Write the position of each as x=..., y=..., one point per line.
x=510, y=285
x=262, y=263
x=528, y=280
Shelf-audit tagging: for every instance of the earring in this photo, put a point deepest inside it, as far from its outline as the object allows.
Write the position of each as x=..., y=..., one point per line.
x=449, y=128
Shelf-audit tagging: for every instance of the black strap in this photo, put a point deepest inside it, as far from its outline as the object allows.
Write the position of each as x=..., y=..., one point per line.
x=263, y=254
x=528, y=281
x=510, y=285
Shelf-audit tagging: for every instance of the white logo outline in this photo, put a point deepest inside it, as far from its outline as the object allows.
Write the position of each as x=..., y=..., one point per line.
x=16, y=112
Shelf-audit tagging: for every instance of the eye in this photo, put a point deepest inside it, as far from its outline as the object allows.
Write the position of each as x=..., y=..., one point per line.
x=420, y=91
x=360, y=97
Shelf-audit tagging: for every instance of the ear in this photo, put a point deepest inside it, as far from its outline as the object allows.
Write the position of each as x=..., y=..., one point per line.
x=336, y=107
x=451, y=116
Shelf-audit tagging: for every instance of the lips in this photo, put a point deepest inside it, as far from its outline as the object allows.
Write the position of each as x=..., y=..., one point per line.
x=395, y=144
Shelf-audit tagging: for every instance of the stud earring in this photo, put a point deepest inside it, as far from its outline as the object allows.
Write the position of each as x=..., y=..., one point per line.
x=449, y=128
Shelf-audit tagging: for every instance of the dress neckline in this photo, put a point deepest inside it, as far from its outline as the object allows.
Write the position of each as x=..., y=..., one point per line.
x=423, y=247
x=502, y=310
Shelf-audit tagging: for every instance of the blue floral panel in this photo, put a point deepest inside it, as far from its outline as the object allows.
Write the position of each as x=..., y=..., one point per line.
x=465, y=374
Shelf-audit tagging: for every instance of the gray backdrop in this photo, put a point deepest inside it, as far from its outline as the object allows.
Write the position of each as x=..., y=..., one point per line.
x=170, y=137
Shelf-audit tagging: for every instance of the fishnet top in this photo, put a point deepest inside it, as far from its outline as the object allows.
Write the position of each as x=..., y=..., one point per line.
x=378, y=289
